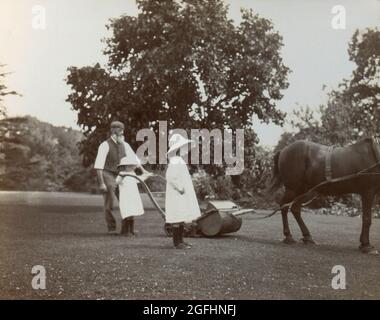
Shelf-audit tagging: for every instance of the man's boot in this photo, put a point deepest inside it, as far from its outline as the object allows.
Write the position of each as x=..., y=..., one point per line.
x=111, y=222
x=125, y=227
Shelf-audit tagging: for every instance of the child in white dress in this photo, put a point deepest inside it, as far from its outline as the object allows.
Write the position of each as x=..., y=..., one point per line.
x=129, y=196
x=181, y=204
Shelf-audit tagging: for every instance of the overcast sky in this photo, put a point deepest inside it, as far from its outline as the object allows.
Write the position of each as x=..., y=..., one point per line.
x=315, y=52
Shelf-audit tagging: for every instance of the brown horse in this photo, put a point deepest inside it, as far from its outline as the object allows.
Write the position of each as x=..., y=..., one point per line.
x=303, y=165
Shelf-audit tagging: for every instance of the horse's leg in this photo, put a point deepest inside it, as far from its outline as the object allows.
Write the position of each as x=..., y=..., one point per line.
x=296, y=210
x=365, y=246
x=285, y=223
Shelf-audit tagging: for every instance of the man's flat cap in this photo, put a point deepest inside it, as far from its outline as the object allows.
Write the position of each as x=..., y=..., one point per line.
x=117, y=124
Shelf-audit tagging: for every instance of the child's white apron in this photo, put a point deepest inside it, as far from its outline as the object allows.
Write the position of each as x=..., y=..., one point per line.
x=185, y=207
x=129, y=197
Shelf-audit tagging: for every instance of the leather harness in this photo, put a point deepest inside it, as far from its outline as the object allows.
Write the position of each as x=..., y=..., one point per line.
x=328, y=171
x=375, y=148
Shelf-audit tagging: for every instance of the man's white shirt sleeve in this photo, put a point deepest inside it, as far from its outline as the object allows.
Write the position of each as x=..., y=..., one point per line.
x=101, y=156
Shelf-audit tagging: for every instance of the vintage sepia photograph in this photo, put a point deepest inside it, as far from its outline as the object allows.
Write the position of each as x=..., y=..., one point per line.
x=210, y=151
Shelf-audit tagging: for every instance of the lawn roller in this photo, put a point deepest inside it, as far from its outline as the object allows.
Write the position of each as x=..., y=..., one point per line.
x=218, y=216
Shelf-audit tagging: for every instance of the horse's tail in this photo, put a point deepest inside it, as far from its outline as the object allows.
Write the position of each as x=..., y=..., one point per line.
x=276, y=179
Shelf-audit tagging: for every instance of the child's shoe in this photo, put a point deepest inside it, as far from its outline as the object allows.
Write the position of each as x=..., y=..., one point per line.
x=124, y=227
x=132, y=228
x=181, y=234
x=182, y=246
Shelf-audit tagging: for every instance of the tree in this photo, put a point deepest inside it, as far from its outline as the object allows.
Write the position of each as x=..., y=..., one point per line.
x=363, y=89
x=184, y=62
x=337, y=122
x=306, y=124
x=4, y=92
x=353, y=109
x=38, y=156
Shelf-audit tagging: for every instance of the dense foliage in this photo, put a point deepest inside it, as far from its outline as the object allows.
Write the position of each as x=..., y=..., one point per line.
x=184, y=62
x=353, y=109
x=38, y=156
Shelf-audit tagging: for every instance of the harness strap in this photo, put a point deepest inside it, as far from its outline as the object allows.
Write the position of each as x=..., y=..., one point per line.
x=375, y=147
x=328, y=171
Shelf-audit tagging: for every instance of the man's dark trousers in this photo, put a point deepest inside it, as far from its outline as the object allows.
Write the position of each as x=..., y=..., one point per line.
x=109, y=196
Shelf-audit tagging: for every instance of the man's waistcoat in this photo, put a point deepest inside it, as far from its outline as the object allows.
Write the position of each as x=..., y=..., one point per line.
x=115, y=153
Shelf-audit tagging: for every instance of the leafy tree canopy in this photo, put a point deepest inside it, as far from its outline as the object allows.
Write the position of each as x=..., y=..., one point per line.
x=39, y=156
x=184, y=62
x=4, y=92
x=353, y=109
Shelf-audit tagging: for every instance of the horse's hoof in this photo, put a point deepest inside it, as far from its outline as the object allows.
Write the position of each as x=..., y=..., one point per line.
x=289, y=240
x=369, y=250
x=308, y=241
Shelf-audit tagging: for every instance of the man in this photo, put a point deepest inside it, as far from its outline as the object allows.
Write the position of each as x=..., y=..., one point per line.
x=110, y=153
